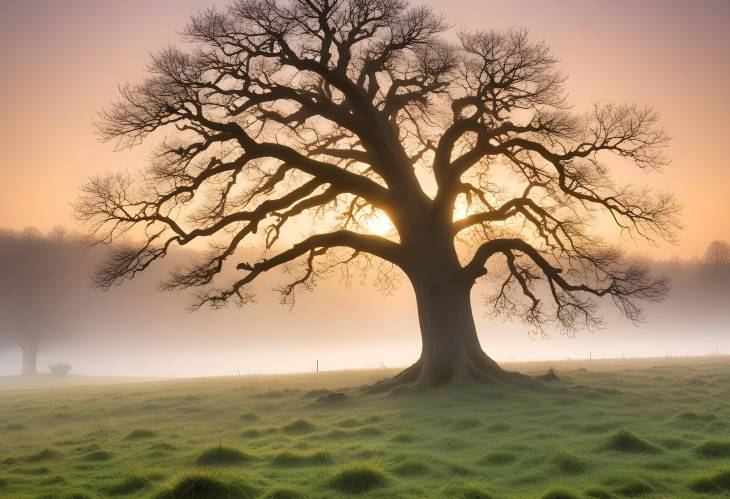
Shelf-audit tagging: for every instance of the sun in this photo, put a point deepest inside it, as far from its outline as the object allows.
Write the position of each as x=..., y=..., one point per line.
x=378, y=223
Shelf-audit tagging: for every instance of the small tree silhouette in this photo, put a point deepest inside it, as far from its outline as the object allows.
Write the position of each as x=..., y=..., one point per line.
x=717, y=253
x=37, y=279
x=357, y=114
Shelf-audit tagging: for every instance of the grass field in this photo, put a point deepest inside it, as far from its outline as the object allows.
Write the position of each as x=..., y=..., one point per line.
x=651, y=428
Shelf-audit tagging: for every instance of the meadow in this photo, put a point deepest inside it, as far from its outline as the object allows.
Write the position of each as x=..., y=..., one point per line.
x=650, y=428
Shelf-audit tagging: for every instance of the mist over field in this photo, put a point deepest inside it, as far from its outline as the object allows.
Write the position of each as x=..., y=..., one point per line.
x=137, y=330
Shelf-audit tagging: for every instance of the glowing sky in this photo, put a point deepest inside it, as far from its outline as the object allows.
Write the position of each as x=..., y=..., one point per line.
x=62, y=62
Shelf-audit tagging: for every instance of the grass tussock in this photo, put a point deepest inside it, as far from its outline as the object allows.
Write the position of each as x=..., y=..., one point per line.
x=44, y=455
x=569, y=463
x=252, y=433
x=499, y=458
x=140, y=434
x=598, y=493
x=404, y=438
x=336, y=435
x=332, y=398
x=633, y=487
x=626, y=441
x=128, y=486
x=357, y=478
x=499, y=428
x=368, y=431
x=53, y=480
x=284, y=493
x=714, y=449
x=713, y=482
x=691, y=417
x=70, y=495
x=349, y=423
x=98, y=455
x=298, y=427
x=560, y=494
x=163, y=446
x=249, y=417
x=202, y=486
x=464, y=424
x=222, y=456
x=412, y=467
x=466, y=491
x=674, y=443
x=291, y=458
x=38, y=470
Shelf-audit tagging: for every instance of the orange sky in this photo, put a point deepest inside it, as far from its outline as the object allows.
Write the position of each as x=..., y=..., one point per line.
x=62, y=62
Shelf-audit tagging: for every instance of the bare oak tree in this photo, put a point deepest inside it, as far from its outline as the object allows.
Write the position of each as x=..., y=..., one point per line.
x=351, y=111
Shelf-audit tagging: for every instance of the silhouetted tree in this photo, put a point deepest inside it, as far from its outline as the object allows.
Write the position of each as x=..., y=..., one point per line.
x=36, y=288
x=352, y=111
x=717, y=253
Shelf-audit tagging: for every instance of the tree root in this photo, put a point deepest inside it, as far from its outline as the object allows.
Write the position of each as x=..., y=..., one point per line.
x=406, y=377
x=478, y=369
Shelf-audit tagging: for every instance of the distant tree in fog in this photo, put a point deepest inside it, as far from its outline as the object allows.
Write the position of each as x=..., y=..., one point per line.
x=717, y=253
x=441, y=160
x=39, y=277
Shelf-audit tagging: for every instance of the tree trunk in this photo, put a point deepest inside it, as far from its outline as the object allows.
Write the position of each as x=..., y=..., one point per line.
x=450, y=349
x=30, y=358
x=451, y=352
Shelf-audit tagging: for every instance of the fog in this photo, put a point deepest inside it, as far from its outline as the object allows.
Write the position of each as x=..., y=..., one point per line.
x=136, y=330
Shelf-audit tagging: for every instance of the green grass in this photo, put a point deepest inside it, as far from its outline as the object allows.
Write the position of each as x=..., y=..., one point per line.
x=647, y=429
x=357, y=478
x=715, y=482
x=292, y=458
x=140, y=434
x=714, y=449
x=222, y=456
x=128, y=486
x=626, y=441
x=200, y=486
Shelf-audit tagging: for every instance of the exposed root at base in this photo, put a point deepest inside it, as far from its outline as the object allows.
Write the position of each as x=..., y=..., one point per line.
x=480, y=370
x=406, y=377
